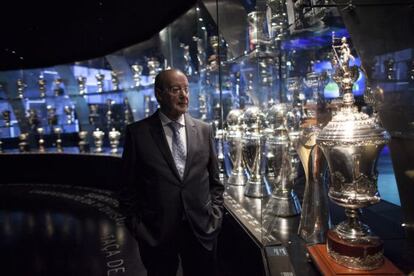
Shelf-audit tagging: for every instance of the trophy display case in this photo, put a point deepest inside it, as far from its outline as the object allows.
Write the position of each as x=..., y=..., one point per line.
x=299, y=109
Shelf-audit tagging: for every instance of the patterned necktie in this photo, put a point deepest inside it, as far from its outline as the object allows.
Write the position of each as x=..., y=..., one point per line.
x=178, y=151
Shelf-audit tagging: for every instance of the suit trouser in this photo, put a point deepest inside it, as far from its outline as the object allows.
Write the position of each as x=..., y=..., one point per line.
x=164, y=260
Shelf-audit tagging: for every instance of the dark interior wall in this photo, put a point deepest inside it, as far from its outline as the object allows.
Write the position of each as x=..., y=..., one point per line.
x=88, y=170
x=45, y=33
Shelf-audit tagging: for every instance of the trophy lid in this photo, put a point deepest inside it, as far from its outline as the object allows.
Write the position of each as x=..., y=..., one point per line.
x=254, y=118
x=233, y=118
x=276, y=114
x=350, y=127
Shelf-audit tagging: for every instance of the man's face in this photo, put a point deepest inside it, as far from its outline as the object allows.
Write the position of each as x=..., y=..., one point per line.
x=173, y=99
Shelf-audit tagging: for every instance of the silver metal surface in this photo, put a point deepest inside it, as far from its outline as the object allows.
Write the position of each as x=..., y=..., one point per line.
x=253, y=149
x=98, y=136
x=58, y=132
x=351, y=143
x=83, y=141
x=238, y=175
x=41, y=141
x=315, y=217
x=114, y=136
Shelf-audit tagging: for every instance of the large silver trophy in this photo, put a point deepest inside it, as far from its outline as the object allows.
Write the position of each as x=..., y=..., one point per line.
x=284, y=201
x=253, y=153
x=315, y=217
x=351, y=143
x=234, y=138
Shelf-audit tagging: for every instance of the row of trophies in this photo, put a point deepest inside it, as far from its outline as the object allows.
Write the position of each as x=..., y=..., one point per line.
x=266, y=148
x=153, y=64
x=83, y=144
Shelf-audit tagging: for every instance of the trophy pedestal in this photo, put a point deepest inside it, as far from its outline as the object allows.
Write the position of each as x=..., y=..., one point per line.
x=362, y=254
x=327, y=266
x=257, y=188
x=284, y=205
x=237, y=179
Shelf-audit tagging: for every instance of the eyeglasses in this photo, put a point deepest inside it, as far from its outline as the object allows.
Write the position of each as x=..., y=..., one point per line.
x=175, y=90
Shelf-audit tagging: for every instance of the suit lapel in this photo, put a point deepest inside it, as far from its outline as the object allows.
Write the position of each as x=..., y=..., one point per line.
x=191, y=142
x=157, y=132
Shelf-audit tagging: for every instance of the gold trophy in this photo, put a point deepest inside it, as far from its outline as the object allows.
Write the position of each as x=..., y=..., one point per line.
x=234, y=135
x=351, y=143
x=253, y=148
x=58, y=132
x=114, y=136
x=100, y=82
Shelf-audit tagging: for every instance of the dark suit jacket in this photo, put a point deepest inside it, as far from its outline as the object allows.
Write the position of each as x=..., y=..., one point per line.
x=155, y=199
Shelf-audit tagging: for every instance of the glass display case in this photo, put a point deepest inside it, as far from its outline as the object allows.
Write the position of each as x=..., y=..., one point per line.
x=270, y=76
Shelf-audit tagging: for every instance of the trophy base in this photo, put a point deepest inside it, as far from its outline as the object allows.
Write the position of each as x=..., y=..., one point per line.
x=327, y=266
x=286, y=205
x=258, y=189
x=237, y=180
x=360, y=254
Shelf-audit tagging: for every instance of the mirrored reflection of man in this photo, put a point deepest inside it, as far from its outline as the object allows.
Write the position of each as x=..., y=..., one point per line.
x=172, y=195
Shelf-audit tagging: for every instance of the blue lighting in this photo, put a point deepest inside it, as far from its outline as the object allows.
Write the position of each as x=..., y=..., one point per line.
x=331, y=90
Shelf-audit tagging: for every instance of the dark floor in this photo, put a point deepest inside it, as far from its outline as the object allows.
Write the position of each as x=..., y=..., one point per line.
x=58, y=230
x=66, y=230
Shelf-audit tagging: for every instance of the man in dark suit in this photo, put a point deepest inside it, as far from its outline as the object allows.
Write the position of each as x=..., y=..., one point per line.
x=172, y=195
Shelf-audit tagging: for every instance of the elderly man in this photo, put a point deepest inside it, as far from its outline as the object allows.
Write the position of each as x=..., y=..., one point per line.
x=172, y=195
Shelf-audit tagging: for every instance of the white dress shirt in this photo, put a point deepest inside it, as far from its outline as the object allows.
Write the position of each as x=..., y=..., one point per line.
x=168, y=131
